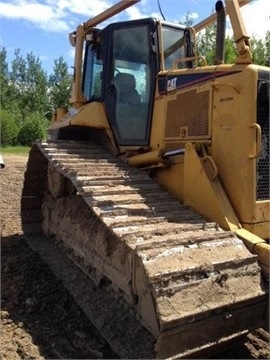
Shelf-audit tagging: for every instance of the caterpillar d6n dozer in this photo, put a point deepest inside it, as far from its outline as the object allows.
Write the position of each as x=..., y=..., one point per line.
x=156, y=181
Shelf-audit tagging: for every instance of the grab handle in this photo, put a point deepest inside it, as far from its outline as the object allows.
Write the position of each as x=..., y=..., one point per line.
x=258, y=141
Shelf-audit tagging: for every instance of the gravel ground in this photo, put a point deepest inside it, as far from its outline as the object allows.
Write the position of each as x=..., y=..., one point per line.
x=39, y=318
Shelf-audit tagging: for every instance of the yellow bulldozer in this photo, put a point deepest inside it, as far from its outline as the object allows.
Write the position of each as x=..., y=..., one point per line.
x=156, y=182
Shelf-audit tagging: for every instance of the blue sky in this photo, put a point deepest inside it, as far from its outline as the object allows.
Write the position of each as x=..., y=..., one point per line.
x=42, y=26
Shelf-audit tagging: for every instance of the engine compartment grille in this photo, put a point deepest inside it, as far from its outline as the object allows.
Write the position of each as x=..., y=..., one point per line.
x=187, y=115
x=263, y=119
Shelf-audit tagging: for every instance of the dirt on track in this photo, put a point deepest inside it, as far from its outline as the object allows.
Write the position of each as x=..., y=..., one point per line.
x=39, y=318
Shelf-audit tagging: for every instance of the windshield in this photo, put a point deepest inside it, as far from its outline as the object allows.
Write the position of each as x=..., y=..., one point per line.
x=173, y=45
x=131, y=56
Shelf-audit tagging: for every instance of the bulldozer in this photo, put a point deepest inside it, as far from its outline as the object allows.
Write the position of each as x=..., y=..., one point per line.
x=156, y=182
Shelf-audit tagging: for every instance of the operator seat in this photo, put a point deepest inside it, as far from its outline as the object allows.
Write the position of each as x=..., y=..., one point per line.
x=128, y=104
x=126, y=89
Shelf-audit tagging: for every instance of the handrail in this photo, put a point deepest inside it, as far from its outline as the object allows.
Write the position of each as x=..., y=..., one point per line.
x=176, y=62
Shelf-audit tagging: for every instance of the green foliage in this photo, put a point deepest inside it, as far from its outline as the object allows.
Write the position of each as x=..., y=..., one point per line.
x=60, y=84
x=34, y=128
x=230, y=50
x=206, y=43
x=15, y=150
x=28, y=95
x=259, y=51
x=267, y=46
x=188, y=19
x=9, y=128
x=28, y=84
x=207, y=46
x=4, y=78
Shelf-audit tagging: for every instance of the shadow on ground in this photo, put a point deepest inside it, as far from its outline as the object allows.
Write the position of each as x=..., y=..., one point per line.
x=36, y=301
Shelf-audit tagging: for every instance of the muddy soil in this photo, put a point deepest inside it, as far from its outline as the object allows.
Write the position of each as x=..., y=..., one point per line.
x=39, y=318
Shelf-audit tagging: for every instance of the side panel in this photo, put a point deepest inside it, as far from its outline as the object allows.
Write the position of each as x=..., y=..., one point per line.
x=236, y=147
x=226, y=108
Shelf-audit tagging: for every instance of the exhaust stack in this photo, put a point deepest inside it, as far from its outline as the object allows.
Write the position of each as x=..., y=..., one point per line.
x=220, y=36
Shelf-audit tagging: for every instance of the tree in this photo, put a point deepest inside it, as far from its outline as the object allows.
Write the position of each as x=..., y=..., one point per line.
x=9, y=128
x=37, y=85
x=230, y=50
x=206, y=43
x=34, y=128
x=60, y=84
x=28, y=95
x=29, y=84
x=260, y=51
x=188, y=19
x=4, y=78
x=267, y=45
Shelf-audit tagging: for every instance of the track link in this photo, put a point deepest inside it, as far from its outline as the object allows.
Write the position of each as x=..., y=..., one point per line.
x=192, y=285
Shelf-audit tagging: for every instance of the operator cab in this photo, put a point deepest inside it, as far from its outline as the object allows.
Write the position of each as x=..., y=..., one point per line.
x=120, y=69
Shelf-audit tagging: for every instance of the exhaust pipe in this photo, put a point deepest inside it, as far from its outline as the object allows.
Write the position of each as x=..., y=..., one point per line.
x=220, y=36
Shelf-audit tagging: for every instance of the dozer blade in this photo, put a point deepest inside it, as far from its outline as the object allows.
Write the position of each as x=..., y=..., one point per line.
x=191, y=286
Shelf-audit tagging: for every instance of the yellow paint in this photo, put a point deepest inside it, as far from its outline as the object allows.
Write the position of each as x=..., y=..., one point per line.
x=204, y=192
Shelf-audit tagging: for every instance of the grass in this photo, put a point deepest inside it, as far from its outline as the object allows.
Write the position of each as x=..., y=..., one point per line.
x=15, y=150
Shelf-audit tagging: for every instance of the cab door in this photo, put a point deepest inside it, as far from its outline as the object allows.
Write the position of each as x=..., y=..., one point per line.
x=131, y=71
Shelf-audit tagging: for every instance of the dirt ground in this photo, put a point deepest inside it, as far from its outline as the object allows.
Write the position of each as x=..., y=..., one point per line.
x=39, y=318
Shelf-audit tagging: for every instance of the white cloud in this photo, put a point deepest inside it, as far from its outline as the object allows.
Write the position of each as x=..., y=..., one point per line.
x=52, y=15
x=43, y=57
x=25, y=10
x=82, y=7
x=134, y=12
x=61, y=15
x=64, y=15
x=71, y=53
x=40, y=15
x=257, y=18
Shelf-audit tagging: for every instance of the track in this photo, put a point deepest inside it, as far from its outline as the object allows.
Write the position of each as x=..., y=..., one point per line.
x=181, y=276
